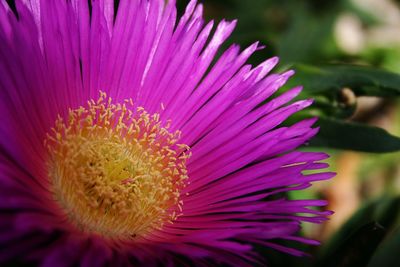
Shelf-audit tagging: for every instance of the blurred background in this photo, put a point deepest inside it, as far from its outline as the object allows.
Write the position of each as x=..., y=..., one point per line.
x=346, y=53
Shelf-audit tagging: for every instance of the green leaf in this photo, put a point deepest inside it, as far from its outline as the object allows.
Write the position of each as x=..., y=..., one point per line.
x=367, y=213
x=357, y=249
x=300, y=45
x=354, y=136
x=364, y=81
x=388, y=253
x=348, y=244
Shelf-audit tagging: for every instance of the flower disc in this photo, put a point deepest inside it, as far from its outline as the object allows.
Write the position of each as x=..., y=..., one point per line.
x=116, y=172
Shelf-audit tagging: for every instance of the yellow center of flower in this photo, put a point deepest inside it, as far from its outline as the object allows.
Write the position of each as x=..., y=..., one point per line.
x=116, y=170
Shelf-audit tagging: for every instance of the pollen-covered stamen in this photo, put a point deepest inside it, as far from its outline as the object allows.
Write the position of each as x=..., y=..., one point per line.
x=115, y=169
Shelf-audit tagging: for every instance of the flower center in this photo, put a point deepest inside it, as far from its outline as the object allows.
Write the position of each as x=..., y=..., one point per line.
x=115, y=170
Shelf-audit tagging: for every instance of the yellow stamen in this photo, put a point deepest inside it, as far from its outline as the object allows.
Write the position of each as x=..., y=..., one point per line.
x=116, y=170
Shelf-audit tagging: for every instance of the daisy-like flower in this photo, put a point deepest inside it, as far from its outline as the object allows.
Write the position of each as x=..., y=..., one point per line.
x=124, y=142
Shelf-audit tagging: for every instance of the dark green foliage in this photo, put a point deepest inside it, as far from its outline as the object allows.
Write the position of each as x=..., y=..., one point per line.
x=354, y=136
x=357, y=249
x=388, y=253
x=362, y=80
x=355, y=244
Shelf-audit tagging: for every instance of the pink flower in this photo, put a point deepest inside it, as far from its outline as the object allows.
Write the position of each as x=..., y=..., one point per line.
x=122, y=143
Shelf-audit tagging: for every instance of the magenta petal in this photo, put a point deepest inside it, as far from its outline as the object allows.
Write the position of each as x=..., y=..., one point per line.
x=57, y=56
